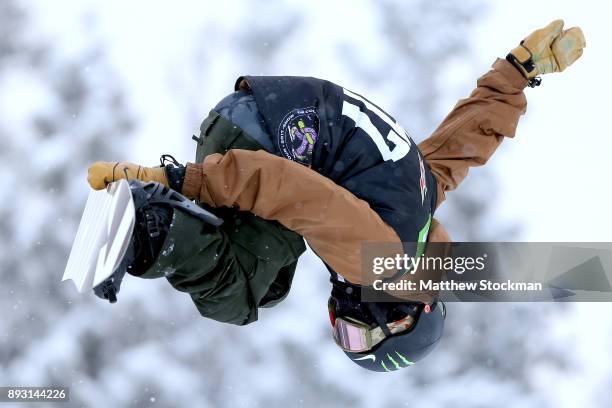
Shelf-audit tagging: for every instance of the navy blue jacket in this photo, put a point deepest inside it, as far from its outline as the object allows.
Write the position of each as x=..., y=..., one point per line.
x=345, y=137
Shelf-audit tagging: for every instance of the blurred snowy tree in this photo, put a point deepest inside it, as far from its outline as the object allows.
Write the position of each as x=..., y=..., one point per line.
x=59, y=111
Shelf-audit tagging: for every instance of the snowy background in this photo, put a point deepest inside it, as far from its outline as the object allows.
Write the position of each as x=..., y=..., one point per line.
x=129, y=80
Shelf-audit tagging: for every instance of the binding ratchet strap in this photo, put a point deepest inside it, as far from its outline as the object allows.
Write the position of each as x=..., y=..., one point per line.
x=168, y=158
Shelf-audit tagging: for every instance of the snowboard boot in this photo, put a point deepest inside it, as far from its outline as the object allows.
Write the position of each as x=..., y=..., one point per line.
x=154, y=205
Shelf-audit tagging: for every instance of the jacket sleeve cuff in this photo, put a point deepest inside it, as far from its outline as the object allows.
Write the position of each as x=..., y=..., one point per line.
x=511, y=73
x=192, y=184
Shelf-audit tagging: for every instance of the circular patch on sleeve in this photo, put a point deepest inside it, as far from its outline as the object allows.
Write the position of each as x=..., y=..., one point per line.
x=297, y=134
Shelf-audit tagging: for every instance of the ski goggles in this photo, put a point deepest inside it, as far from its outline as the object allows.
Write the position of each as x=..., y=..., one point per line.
x=355, y=336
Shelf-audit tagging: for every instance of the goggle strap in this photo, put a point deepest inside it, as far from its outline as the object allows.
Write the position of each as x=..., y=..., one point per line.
x=377, y=336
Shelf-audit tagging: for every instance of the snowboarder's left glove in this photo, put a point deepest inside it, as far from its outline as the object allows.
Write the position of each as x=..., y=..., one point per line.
x=549, y=49
x=100, y=174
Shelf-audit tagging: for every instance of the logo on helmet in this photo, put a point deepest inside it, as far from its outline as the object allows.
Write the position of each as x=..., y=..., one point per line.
x=396, y=364
x=372, y=356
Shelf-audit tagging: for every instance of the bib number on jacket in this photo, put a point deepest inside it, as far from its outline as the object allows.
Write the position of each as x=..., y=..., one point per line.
x=397, y=135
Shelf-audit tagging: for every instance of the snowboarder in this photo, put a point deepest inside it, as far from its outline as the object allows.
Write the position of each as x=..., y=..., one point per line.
x=283, y=159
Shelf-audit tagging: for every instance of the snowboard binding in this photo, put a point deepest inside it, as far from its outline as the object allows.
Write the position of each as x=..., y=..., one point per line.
x=154, y=205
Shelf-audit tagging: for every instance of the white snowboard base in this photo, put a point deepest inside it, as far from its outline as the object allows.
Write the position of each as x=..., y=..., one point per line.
x=103, y=236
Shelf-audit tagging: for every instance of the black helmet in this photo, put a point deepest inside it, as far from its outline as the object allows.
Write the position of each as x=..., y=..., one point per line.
x=390, y=348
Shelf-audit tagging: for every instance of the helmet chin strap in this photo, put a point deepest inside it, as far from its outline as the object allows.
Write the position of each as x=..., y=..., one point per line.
x=380, y=317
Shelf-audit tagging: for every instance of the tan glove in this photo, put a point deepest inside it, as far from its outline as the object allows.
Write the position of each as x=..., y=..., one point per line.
x=100, y=174
x=549, y=49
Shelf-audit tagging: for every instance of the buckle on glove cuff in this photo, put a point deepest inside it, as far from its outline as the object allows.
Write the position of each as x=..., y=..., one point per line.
x=525, y=64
